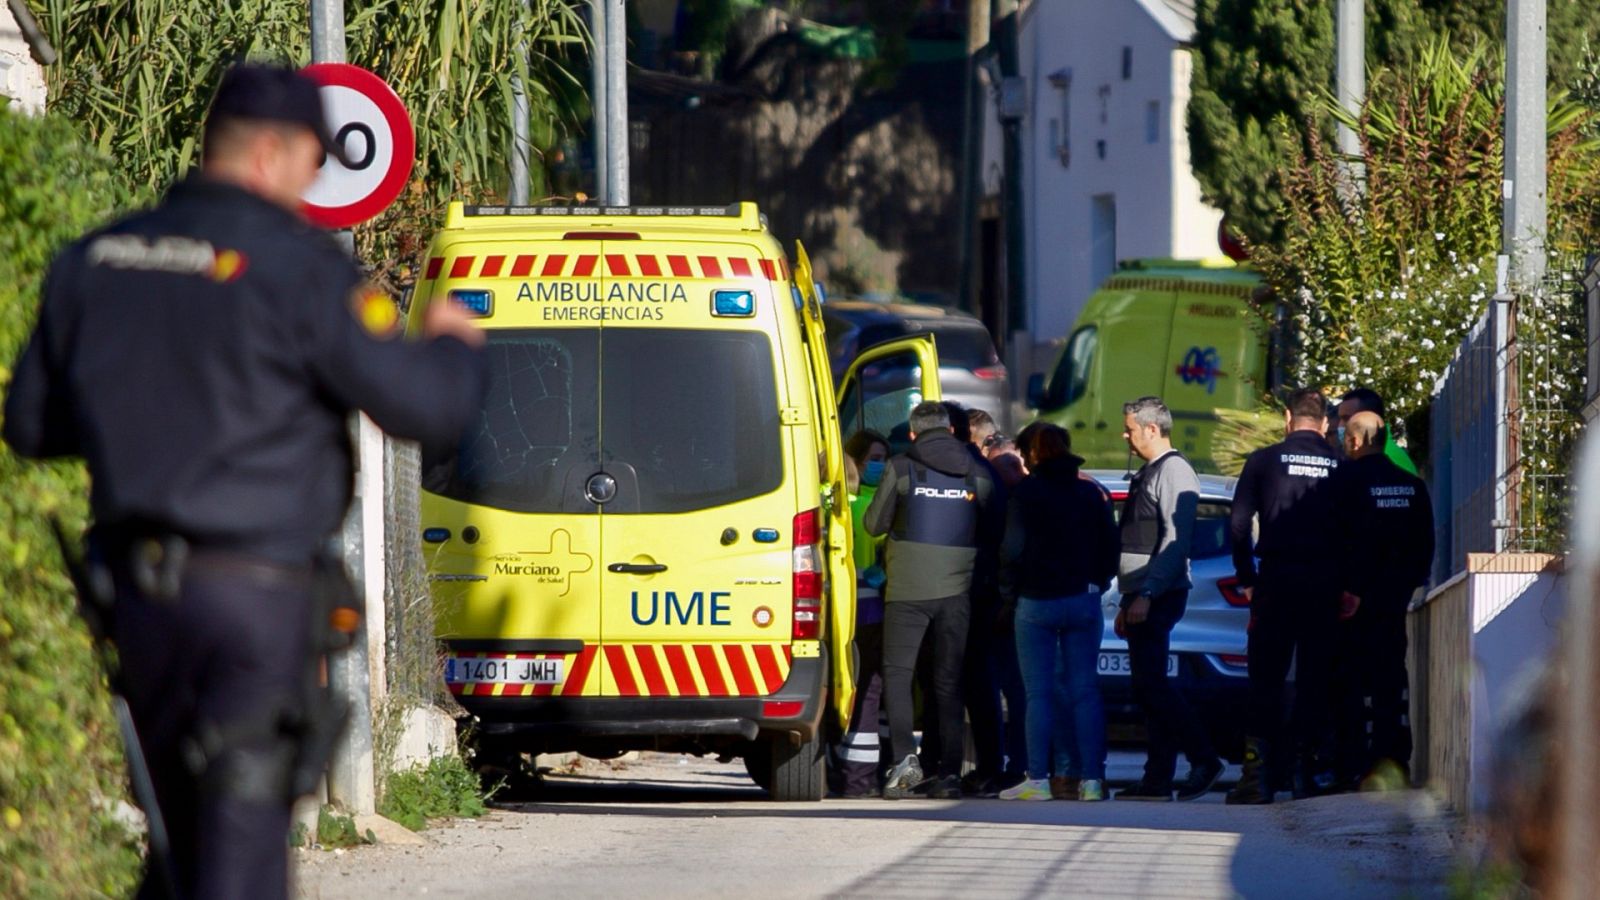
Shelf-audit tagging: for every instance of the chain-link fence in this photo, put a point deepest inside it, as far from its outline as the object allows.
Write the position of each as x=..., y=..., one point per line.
x=1504, y=423
x=409, y=644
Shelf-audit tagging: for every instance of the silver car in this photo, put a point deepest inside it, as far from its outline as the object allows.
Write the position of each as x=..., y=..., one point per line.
x=1208, y=644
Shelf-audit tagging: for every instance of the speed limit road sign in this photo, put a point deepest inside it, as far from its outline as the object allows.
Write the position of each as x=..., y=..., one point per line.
x=368, y=120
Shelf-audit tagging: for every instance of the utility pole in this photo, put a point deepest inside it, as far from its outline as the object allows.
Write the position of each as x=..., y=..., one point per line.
x=1012, y=106
x=1523, y=221
x=521, y=146
x=616, y=103
x=978, y=16
x=350, y=771
x=597, y=96
x=1350, y=37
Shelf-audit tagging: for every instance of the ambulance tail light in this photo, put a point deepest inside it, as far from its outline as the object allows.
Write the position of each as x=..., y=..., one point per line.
x=1229, y=589
x=782, y=709
x=807, y=576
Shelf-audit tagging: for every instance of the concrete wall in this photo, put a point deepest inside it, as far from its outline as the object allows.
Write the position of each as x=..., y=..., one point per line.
x=21, y=78
x=1477, y=644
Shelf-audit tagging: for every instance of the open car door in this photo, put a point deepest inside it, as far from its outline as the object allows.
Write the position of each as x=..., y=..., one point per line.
x=884, y=384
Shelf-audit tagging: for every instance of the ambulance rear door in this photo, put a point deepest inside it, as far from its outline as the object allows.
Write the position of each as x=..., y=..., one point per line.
x=840, y=559
x=511, y=539
x=698, y=527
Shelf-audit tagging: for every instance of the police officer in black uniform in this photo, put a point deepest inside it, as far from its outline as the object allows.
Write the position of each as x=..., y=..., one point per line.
x=1384, y=533
x=1294, y=605
x=203, y=357
x=937, y=507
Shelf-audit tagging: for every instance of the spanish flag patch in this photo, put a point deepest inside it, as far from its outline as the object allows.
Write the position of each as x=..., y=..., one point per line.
x=376, y=311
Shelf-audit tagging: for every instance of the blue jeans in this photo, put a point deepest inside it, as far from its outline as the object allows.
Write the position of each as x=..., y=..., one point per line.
x=1058, y=644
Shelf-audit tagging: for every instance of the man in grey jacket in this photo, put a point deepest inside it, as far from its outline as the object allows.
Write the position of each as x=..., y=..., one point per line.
x=936, y=505
x=1153, y=576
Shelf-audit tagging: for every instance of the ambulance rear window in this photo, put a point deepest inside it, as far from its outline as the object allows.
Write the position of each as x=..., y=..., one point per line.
x=694, y=413
x=689, y=420
x=536, y=434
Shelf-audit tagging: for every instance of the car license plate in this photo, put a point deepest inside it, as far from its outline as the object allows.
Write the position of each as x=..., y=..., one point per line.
x=1119, y=664
x=500, y=670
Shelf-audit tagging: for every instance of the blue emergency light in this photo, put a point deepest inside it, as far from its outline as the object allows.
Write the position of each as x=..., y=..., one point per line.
x=477, y=302
x=733, y=303
x=765, y=535
x=436, y=535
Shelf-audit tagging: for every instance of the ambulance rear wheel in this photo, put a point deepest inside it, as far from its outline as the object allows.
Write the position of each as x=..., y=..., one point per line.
x=797, y=771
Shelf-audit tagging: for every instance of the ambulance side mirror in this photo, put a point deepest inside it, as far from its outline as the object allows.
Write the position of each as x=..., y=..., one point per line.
x=1035, y=398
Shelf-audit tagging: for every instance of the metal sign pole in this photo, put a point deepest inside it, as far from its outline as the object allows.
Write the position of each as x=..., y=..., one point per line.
x=521, y=149
x=597, y=97
x=616, y=103
x=350, y=772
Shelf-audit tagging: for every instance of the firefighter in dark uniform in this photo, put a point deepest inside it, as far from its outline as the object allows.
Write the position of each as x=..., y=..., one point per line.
x=203, y=357
x=1294, y=605
x=1384, y=537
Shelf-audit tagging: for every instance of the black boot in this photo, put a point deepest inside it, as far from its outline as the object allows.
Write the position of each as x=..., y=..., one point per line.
x=1253, y=787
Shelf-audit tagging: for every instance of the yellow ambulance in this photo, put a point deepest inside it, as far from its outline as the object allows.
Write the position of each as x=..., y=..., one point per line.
x=644, y=540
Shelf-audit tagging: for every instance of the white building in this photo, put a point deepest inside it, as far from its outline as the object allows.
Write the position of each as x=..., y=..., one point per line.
x=21, y=76
x=1105, y=169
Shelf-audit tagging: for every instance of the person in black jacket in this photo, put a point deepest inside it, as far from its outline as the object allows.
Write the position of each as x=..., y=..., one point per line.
x=204, y=357
x=937, y=507
x=1059, y=555
x=1384, y=537
x=1294, y=603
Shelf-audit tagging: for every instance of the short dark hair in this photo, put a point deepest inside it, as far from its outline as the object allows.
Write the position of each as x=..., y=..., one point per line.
x=860, y=444
x=1308, y=403
x=929, y=415
x=1366, y=399
x=959, y=426
x=1024, y=438
x=1051, y=442
x=980, y=418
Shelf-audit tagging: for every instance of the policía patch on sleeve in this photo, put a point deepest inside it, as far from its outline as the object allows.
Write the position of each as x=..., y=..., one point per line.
x=376, y=311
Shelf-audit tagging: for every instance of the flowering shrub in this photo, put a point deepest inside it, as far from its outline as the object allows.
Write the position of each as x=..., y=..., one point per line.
x=1384, y=279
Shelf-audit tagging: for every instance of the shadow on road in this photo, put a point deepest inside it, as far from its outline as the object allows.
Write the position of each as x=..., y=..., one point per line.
x=1359, y=846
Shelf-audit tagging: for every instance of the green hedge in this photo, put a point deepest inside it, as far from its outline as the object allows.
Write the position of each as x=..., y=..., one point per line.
x=61, y=766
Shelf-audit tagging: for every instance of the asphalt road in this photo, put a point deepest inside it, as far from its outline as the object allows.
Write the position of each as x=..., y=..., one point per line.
x=669, y=826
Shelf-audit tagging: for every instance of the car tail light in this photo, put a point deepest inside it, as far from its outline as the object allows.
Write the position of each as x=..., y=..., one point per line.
x=807, y=576
x=990, y=373
x=1229, y=588
x=1234, y=660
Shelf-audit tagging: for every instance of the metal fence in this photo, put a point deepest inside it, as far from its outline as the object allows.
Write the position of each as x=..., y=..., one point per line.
x=409, y=645
x=1467, y=446
x=1502, y=427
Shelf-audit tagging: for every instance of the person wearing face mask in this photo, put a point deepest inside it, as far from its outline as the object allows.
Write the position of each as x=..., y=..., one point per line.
x=857, y=757
x=1362, y=400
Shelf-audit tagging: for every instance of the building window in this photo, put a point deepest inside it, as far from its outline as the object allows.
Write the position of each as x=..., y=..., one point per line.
x=1127, y=63
x=1061, y=130
x=1152, y=122
x=1102, y=238
x=1105, y=103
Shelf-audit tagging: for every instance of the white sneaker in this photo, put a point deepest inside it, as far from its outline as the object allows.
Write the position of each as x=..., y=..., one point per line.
x=1030, y=789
